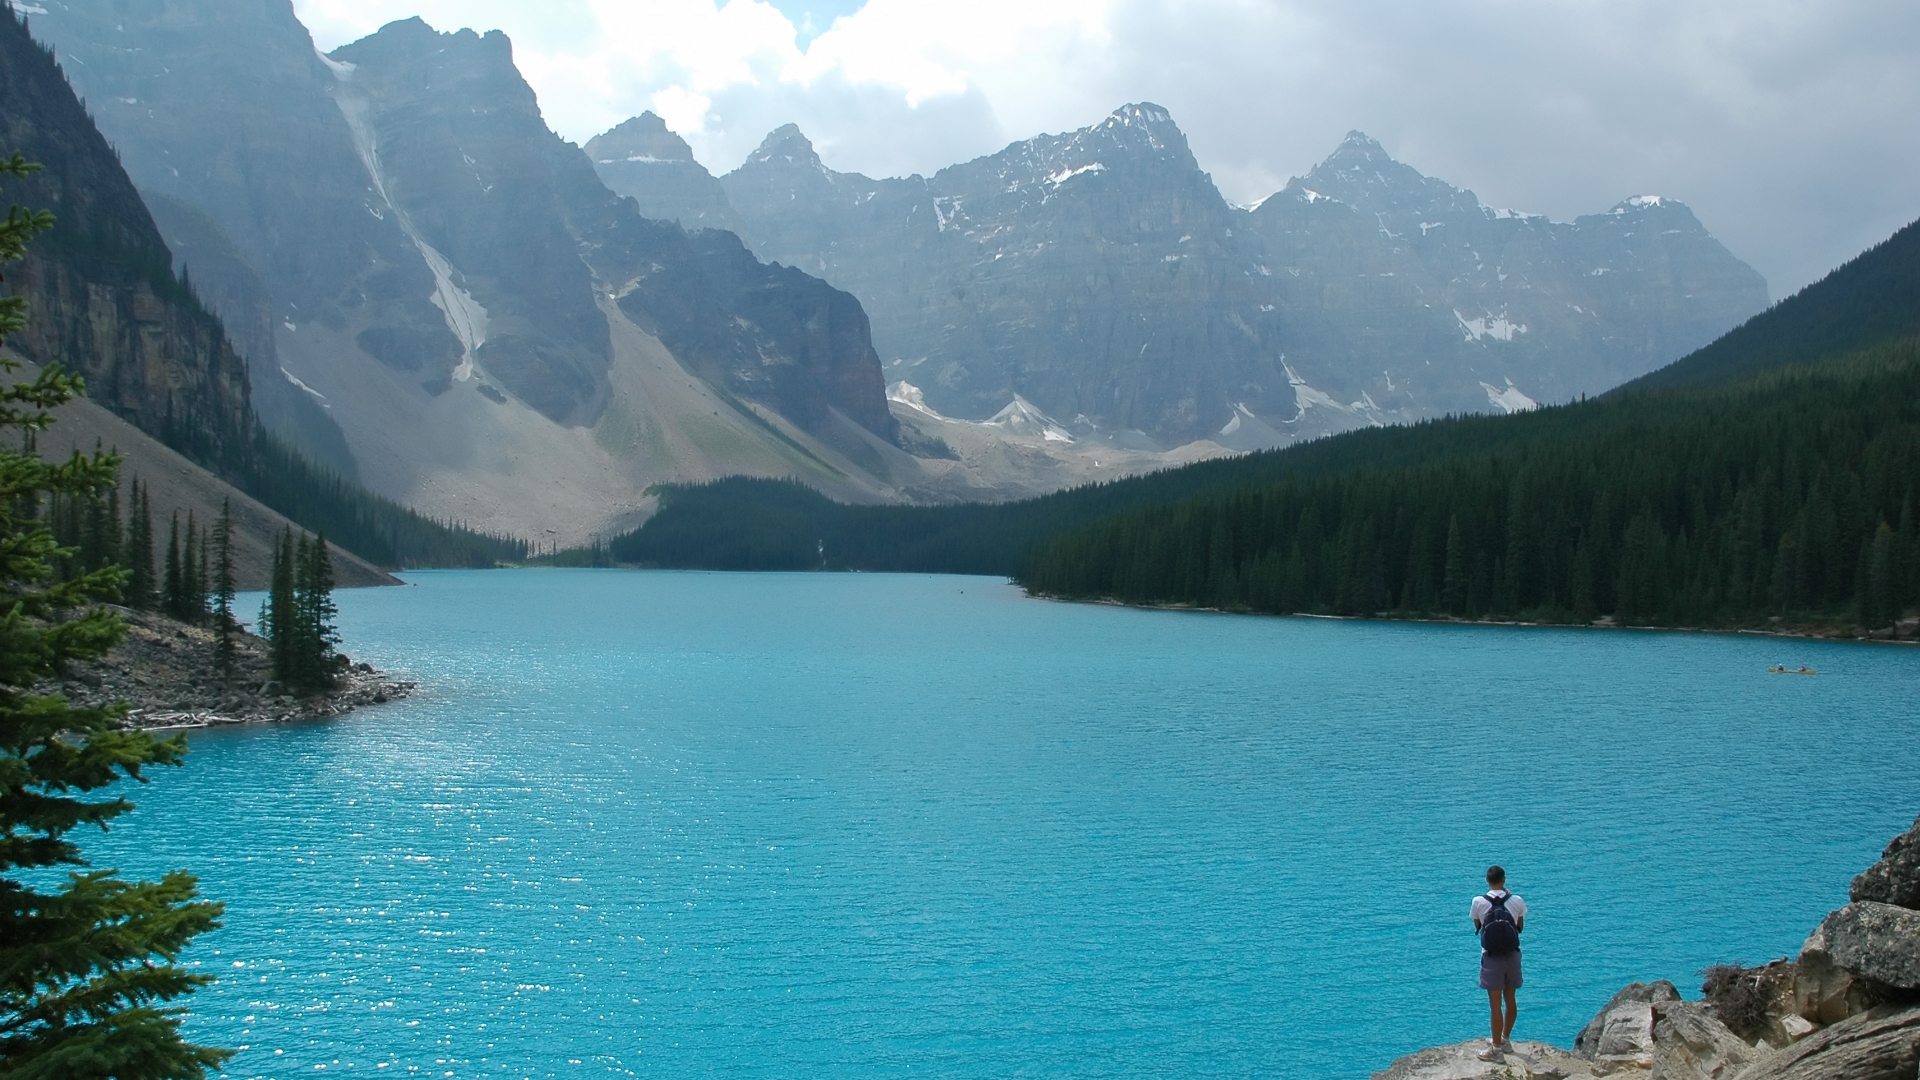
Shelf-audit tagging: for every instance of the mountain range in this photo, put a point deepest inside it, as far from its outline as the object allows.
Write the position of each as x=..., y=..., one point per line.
x=442, y=299
x=1100, y=276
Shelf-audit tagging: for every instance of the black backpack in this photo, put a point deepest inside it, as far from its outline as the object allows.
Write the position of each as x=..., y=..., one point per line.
x=1499, y=934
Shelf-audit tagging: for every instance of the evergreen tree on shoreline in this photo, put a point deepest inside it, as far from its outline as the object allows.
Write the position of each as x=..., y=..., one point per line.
x=297, y=617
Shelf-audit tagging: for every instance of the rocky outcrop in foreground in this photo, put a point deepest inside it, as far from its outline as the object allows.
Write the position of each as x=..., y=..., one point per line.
x=1848, y=1008
x=170, y=674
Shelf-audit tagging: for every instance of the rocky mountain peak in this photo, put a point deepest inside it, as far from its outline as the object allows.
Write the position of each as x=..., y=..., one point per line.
x=786, y=144
x=643, y=138
x=1142, y=126
x=1362, y=174
x=1671, y=213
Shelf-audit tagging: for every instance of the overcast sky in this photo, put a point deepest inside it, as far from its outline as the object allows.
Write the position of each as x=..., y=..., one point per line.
x=1791, y=127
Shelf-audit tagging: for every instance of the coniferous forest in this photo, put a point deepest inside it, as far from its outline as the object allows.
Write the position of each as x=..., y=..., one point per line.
x=1792, y=494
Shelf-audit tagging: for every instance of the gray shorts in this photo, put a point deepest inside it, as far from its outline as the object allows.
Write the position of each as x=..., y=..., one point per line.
x=1500, y=972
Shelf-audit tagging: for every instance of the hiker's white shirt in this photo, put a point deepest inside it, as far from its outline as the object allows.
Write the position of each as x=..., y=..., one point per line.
x=1515, y=906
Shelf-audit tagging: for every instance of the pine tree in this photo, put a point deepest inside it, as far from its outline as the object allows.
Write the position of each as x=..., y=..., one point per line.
x=139, y=592
x=173, y=594
x=89, y=961
x=278, y=621
x=193, y=587
x=314, y=611
x=223, y=587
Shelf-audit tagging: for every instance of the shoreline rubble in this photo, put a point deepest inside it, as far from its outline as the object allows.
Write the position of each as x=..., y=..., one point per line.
x=169, y=674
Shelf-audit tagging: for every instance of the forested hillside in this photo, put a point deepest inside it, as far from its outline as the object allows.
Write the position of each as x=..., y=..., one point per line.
x=1719, y=500
x=1791, y=494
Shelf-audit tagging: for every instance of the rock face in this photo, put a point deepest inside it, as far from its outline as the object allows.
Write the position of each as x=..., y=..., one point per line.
x=1375, y=260
x=1631, y=1027
x=1880, y=1044
x=1823, y=991
x=644, y=161
x=1094, y=274
x=103, y=297
x=1895, y=879
x=1100, y=276
x=1875, y=941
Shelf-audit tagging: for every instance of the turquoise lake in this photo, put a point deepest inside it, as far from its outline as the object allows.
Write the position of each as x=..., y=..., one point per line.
x=845, y=825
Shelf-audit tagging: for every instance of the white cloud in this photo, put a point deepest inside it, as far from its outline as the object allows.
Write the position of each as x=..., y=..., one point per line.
x=1785, y=125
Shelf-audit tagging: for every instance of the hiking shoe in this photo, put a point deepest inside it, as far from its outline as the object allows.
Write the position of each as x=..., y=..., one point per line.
x=1491, y=1053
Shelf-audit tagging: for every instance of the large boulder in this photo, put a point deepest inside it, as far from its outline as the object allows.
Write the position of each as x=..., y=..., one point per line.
x=1880, y=1044
x=1823, y=991
x=1895, y=879
x=1690, y=1043
x=1589, y=1042
x=1875, y=941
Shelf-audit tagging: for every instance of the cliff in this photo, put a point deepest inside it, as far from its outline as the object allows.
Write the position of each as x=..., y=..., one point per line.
x=100, y=284
x=1847, y=1008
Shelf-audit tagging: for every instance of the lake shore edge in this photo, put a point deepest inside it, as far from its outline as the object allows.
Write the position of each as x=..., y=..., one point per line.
x=1906, y=632
x=169, y=675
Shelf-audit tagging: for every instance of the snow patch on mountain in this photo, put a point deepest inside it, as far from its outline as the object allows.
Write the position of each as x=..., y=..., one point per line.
x=1023, y=417
x=464, y=315
x=1509, y=398
x=1065, y=175
x=1482, y=327
x=905, y=393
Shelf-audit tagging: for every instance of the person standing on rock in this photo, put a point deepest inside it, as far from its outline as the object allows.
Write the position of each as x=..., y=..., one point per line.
x=1498, y=918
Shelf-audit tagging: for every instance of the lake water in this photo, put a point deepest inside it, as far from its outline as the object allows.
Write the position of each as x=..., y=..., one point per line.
x=692, y=825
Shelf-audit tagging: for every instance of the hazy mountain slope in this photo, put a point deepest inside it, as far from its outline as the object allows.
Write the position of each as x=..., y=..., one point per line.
x=1090, y=273
x=643, y=161
x=223, y=279
x=226, y=107
x=1420, y=293
x=1099, y=275
x=1875, y=296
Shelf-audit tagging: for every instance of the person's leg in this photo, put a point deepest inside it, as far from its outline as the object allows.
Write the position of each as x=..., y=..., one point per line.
x=1506, y=1033
x=1493, y=1007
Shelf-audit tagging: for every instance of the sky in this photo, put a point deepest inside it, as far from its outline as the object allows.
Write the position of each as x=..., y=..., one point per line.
x=1791, y=127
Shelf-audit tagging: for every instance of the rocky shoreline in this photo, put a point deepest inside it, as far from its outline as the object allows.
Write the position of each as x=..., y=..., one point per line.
x=1846, y=1008
x=169, y=674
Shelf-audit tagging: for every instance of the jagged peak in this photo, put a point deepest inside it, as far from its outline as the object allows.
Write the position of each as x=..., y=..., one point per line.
x=1672, y=214
x=786, y=141
x=1141, y=112
x=1648, y=202
x=641, y=138
x=413, y=37
x=1361, y=173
